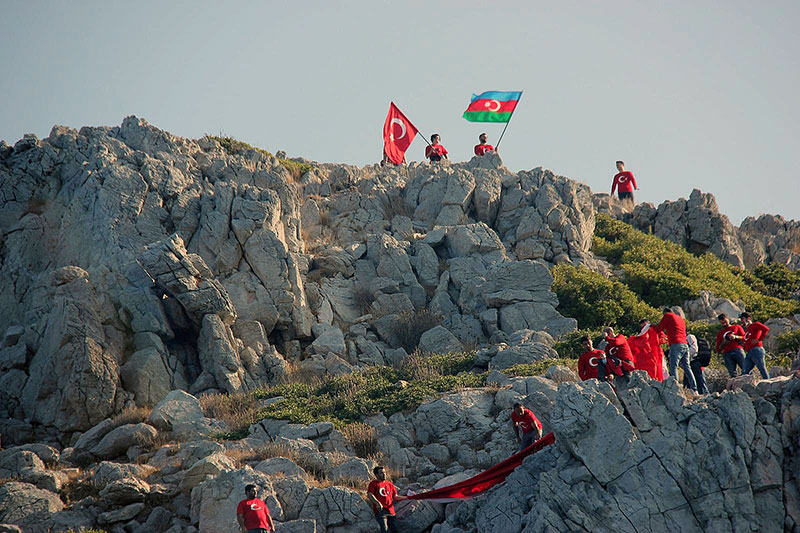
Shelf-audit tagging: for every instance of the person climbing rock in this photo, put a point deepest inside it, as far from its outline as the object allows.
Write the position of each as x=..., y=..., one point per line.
x=624, y=183
x=435, y=151
x=730, y=343
x=525, y=421
x=382, y=494
x=252, y=513
x=590, y=360
x=754, y=333
x=483, y=147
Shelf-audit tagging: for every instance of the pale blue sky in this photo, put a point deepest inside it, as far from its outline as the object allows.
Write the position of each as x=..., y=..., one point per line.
x=689, y=94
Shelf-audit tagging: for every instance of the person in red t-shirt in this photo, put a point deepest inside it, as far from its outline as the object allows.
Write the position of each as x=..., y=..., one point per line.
x=524, y=419
x=482, y=148
x=624, y=183
x=589, y=360
x=382, y=494
x=730, y=343
x=435, y=151
x=754, y=333
x=619, y=357
x=675, y=328
x=252, y=513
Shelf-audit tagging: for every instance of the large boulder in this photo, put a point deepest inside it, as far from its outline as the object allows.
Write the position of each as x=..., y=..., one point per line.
x=24, y=504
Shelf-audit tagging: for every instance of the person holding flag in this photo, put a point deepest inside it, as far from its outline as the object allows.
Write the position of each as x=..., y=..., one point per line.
x=492, y=106
x=382, y=494
x=483, y=147
x=523, y=419
x=398, y=133
x=435, y=151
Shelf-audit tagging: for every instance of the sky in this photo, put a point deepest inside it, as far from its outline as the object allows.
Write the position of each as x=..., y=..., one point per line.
x=689, y=94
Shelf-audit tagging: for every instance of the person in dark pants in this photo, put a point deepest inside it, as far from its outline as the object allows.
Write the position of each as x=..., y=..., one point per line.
x=252, y=513
x=675, y=328
x=696, y=364
x=624, y=183
x=382, y=494
x=524, y=419
x=754, y=333
x=730, y=343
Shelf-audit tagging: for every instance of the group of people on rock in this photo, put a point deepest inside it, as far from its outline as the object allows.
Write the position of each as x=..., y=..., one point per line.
x=740, y=345
x=435, y=151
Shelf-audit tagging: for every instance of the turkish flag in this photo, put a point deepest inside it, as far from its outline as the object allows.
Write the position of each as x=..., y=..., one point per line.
x=647, y=353
x=398, y=132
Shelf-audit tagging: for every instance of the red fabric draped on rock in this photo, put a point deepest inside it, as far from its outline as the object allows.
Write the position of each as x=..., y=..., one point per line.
x=487, y=479
x=647, y=354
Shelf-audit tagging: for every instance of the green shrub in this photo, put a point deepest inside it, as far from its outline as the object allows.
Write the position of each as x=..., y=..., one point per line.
x=663, y=273
x=569, y=346
x=778, y=280
x=788, y=342
x=234, y=146
x=596, y=301
x=539, y=367
x=295, y=168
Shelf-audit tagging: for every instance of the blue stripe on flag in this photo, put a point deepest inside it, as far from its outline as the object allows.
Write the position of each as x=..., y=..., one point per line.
x=500, y=96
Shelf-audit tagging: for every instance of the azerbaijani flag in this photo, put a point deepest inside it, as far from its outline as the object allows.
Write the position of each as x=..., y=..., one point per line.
x=492, y=106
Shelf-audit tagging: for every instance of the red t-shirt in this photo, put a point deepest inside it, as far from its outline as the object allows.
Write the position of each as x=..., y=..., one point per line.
x=725, y=345
x=675, y=328
x=624, y=181
x=587, y=364
x=481, y=149
x=527, y=421
x=255, y=513
x=618, y=347
x=385, y=492
x=435, y=150
x=752, y=337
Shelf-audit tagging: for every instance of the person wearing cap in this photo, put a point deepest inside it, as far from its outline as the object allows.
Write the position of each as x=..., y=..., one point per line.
x=483, y=147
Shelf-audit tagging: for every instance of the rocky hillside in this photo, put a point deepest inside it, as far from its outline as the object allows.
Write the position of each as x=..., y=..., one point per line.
x=136, y=265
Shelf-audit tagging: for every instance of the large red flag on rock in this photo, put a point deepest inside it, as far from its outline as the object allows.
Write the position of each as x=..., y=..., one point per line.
x=398, y=132
x=647, y=353
x=487, y=479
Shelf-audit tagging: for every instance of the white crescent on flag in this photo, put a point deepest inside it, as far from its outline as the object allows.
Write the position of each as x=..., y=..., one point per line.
x=495, y=108
x=402, y=129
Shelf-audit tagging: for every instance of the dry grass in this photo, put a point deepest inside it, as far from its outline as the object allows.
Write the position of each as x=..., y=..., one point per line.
x=364, y=298
x=131, y=415
x=304, y=460
x=363, y=438
x=79, y=485
x=411, y=325
x=236, y=410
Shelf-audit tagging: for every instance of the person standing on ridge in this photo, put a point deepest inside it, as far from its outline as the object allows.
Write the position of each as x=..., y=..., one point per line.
x=754, y=334
x=591, y=360
x=252, y=513
x=696, y=362
x=435, y=151
x=382, y=494
x=524, y=419
x=624, y=183
x=730, y=343
x=619, y=357
x=483, y=147
x=675, y=328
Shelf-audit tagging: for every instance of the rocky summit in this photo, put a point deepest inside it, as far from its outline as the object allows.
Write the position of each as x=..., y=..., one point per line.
x=147, y=279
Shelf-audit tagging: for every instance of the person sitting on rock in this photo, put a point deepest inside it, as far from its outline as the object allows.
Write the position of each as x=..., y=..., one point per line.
x=382, y=494
x=619, y=357
x=754, y=333
x=483, y=147
x=591, y=360
x=624, y=183
x=252, y=513
x=435, y=151
x=524, y=419
x=730, y=343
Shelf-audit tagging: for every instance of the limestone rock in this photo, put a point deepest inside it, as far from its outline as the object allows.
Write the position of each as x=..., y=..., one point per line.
x=439, y=340
x=23, y=503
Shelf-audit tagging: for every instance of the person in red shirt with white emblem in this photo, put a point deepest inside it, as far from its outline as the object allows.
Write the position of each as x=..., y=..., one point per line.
x=435, y=151
x=619, y=358
x=482, y=148
x=675, y=328
x=252, y=513
x=524, y=419
x=382, y=494
x=730, y=343
x=624, y=183
x=754, y=333
x=589, y=360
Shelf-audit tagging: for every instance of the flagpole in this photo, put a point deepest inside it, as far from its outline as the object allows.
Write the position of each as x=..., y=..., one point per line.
x=496, y=146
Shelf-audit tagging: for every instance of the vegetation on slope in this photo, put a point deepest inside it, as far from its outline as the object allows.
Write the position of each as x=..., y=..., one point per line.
x=663, y=273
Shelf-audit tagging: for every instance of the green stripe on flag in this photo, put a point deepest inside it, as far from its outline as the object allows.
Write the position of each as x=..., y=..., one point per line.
x=486, y=116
